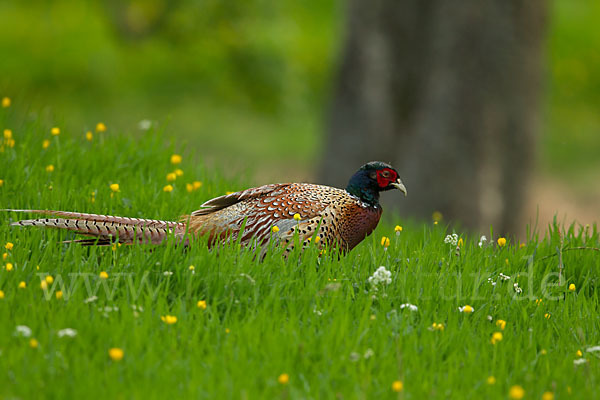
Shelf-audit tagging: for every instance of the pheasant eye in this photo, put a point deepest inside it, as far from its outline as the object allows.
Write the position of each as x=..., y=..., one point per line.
x=385, y=174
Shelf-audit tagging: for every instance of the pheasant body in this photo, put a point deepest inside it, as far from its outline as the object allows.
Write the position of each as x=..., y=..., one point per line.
x=335, y=217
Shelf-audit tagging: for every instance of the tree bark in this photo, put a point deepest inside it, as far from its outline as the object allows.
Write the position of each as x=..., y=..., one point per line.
x=448, y=93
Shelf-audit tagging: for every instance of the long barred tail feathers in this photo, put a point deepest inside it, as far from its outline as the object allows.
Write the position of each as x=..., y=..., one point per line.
x=106, y=228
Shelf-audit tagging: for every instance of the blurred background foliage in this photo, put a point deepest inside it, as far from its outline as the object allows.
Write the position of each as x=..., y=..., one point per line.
x=248, y=82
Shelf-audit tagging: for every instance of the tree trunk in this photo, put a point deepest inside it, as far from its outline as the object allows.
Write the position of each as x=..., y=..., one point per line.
x=448, y=93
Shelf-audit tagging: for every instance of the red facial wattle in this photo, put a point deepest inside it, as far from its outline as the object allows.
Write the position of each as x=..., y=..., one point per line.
x=384, y=181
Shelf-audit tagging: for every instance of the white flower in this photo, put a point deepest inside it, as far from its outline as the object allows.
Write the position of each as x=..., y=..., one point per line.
x=91, y=299
x=467, y=309
x=490, y=318
x=593, y=349
x=354, y=356
x=369, y=353
x=517, y=288
x=482, y=241
x=67, y=332
x=579, y=361
x=504, y=277
x=381, y=275
x=411, y=307
x=108, y=309
x=168, y=273
x=23, y=330
x=452, y=239
x=145, y=124
x=492, y=282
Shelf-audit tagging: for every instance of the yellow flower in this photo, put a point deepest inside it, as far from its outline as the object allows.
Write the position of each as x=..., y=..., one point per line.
x=9, y=246
x=201, y=304
x=317, y=239
x=50, y=168
x=100, y=127
x=227, y=331
x=229, y=192
x=43, y=285
x=538, y=302
x=572, y=287
x=547, y=315
x=579, y=353
x=438, y=327
x=1, y=182
x=171, y=176
x=10, y=143
x=1, y=294
x=45, y=144
x=55, y=131
x=437, y=216
x=189, y=187
x=491, y=380
x=33, y=343
x=397, y=386
x=466, y=309
x=49, y=279
x=191, y=268
x=385, y=241
x=4, y=256
x=175, y=159
x=275, y=229
x=516, y=392
x=543, y=352
x=6, y=102
x=59, y=294
x=179, y=172
x=89, y=135
x=197, y=185
x=7, y=134
x=9, y=267
x=496, y=337
x=169, y=319
x=548, y=396
x=460, y=242
x=103, y=275
x=168, y=188
x=435, y=222
x=398, y=229
x=297, y=217
x=521, y=245
x=283, y=379
x=114, y=187
x=501, y=242
x=501, y=323
x=116, y=354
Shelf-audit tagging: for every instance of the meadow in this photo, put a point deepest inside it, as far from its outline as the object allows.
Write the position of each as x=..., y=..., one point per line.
x=450, y=315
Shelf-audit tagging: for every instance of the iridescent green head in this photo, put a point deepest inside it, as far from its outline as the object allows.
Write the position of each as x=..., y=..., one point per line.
x=372, y=178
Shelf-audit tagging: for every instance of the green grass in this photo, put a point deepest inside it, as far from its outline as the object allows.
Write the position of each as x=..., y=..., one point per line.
x=316, y=319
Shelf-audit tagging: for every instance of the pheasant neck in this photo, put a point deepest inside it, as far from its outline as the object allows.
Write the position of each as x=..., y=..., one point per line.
x=365, y=192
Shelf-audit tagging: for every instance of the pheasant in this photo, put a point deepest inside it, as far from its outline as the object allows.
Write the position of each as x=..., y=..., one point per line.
x=335, y=217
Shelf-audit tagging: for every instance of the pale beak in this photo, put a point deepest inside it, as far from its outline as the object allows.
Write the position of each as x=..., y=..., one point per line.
x=399, y=185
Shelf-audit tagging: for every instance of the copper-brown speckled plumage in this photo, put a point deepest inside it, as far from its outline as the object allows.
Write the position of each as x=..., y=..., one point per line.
x=338, y=218
x=333, y=217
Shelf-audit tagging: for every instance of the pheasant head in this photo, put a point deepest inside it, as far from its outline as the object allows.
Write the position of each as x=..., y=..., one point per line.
x=372, y=178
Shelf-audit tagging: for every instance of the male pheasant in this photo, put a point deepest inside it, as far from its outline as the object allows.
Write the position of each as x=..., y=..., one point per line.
x=338, y=218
